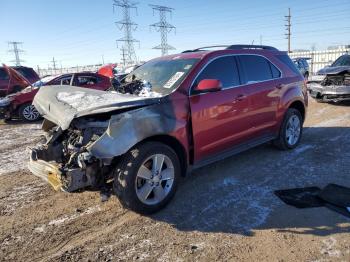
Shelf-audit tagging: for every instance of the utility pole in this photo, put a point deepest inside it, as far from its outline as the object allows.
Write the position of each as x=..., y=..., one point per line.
x=260, y=39
x=127, y=26
x=54, y=65
x=288, y=27
x=163, y=27
x=103, y=60
x=16, y=52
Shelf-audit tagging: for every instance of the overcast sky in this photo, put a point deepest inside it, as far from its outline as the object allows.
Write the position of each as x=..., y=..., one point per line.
x=81, y=32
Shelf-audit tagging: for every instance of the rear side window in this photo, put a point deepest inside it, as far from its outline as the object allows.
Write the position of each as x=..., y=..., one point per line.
x=223, y=69
x=26, y=72
x=288, y=62
x=87, y=80
x=257, y=68
x=3, y=74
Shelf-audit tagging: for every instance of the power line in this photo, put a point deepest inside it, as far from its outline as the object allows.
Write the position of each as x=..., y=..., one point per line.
x=163, y=27
x=288, y=27
x=16, y=52
x=127, y=26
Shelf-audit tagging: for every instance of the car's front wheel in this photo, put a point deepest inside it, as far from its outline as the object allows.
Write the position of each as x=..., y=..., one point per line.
x=291, y=130
x=28, y=112
x=146, y=177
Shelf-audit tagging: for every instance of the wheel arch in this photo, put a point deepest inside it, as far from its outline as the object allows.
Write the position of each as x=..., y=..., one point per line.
x=175, y=144
x=298, y=105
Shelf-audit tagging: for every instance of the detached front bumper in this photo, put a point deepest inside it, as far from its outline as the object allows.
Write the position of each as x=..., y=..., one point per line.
x=329, y=93
x=69, y=180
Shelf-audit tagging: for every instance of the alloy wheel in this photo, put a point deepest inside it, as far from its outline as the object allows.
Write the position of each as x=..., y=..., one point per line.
x=154, y=179
x=293, y=130
x=30, y=113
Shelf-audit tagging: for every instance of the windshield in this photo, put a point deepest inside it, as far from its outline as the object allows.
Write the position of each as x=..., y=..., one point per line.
x=342, y=61
x=164, y=75
x=43, y=81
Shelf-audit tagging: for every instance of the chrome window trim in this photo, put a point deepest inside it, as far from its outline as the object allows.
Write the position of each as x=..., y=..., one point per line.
x=215, y=58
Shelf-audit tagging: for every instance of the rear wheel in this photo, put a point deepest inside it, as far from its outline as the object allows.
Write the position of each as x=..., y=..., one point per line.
x=291, y=130
x=28, y=112
x=146, y=178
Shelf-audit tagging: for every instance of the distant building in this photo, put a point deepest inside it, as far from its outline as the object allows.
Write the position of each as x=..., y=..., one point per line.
x=320, y=59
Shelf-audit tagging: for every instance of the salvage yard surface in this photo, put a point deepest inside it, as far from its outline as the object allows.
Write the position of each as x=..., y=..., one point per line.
x=225, y=211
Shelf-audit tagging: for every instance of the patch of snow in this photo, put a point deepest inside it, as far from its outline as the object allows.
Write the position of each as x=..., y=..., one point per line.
x=67, y=218
x=302, y=148
x=329, y=247
x=13, y=144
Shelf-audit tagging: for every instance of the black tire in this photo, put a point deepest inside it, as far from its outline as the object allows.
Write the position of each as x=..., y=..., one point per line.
x=282, y=142
x=125, y=176
x=23, y=116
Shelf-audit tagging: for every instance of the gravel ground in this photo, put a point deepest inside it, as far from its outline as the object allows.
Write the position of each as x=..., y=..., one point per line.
x=225, y=211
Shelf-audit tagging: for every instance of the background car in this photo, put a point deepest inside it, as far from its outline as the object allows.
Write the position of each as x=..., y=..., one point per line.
x=303, y=66
x=332, y=83
x=20, y=103
x=10, y=83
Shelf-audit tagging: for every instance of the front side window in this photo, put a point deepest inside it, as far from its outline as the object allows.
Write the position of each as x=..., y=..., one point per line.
x=257, y=68
x=65, y=80
x=223, y=69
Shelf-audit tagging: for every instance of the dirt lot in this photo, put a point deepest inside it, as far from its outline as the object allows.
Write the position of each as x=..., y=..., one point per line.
x=226, y=211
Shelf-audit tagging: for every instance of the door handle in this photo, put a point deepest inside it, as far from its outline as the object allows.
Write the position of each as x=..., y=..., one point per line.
x=279, y=86
x=239, y=97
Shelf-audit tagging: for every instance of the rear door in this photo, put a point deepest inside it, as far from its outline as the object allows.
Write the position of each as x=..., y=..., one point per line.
x=263, y=83
x=219, y=119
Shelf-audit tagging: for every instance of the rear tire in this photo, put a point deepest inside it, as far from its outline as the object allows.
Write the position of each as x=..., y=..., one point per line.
x=140, y=183
x=291, y=130
x=27, y=112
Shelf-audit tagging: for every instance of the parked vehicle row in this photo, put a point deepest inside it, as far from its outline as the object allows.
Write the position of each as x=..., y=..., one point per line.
x=19, y=104
x=170, y=115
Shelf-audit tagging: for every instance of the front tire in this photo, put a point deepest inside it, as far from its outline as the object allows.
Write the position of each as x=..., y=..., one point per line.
x=28, y=112
x=146, y=178
x=290, y=131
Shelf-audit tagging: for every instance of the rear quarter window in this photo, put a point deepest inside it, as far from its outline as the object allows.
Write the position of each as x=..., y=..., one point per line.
x=285, y=59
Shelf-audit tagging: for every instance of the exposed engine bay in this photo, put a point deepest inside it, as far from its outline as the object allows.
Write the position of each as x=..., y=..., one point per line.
x=334, y=87
x=67, y=151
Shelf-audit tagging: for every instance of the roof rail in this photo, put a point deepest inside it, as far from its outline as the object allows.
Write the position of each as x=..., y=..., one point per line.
x=204, y=47
x=264, y=47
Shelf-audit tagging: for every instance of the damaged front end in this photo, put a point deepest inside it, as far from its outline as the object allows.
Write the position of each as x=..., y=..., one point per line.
x=334, y=87
x=64, y=160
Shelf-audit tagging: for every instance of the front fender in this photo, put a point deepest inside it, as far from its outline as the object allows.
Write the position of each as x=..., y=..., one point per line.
x=129, y=128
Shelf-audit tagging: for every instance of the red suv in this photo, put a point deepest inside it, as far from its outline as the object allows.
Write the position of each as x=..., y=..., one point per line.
x=12, y=84
x=19, y=105
x=170, y=115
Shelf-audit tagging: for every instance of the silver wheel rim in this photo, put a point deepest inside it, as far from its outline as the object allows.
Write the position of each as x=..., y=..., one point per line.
x=30, y=113
x=154, y=179
x=293, y=130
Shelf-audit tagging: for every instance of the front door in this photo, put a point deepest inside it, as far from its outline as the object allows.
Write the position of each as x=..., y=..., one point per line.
x=220, y=119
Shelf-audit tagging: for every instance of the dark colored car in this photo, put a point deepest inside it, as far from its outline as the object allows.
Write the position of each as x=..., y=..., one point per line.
x=302, y=65
x=19, y=105
x=9, y=85
x=170, y=115
x=332, y=83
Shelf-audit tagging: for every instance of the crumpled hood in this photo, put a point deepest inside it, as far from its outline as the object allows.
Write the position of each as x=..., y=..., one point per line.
x=61, y=104
x=333, y=70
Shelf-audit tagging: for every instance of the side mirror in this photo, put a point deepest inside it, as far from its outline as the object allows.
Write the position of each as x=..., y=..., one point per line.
x=209, y=85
